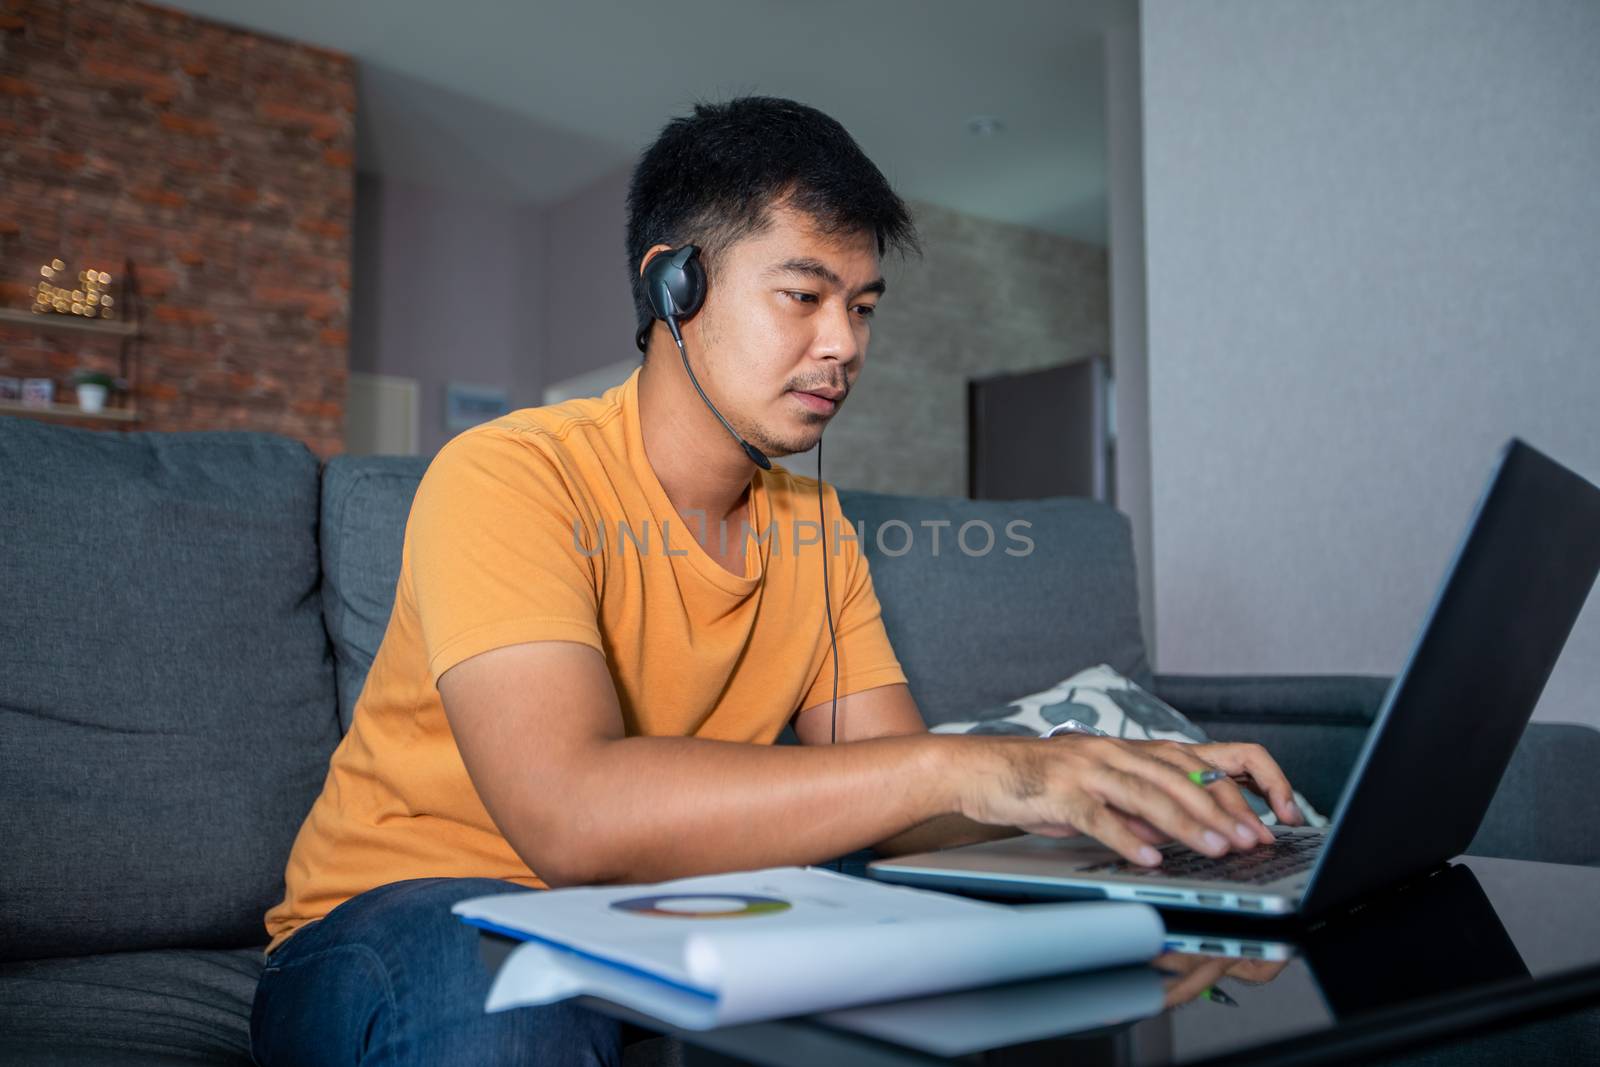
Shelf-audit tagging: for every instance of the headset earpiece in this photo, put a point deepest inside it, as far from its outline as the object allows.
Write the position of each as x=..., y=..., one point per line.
x=675, y=284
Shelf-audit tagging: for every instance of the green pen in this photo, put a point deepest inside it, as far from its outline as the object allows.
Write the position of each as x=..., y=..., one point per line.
x=1204, y=778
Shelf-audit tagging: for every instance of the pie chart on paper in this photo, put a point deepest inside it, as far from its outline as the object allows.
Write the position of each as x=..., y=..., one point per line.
x=702, y=906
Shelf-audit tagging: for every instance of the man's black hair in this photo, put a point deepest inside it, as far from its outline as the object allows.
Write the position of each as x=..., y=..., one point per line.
x=710, y=179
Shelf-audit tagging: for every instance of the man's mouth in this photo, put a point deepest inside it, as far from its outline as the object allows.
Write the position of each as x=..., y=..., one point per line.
x=824, y=400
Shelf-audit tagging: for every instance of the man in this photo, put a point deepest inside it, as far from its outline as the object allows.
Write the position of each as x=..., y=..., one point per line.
x=584, y=671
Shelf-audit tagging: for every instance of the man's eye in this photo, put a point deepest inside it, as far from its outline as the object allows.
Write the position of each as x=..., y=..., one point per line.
x=808, y=298
x=867, y=310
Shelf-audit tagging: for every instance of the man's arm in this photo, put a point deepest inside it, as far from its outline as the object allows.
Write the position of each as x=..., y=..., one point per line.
x=891, y=711
x=540, y=731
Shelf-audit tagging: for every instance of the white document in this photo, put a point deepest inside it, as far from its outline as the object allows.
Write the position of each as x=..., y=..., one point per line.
x=732, y=948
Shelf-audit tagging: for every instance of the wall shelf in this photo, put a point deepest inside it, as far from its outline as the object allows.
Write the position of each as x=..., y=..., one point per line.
x=125, y=331
x=68, y=411
x=55, y=321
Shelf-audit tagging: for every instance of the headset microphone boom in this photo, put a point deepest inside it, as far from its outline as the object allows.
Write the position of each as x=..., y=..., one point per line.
x=675, y=285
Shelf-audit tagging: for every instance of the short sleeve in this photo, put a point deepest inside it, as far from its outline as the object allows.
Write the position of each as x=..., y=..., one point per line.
x=492, y=552
x=866, y=659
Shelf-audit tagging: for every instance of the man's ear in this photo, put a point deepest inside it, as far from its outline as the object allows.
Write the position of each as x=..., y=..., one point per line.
x=651, y=253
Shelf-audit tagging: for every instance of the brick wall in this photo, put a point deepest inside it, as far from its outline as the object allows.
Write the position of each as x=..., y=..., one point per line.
x=220, y=163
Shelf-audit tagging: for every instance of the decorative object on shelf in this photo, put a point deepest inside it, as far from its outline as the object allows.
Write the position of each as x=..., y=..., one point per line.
x=90, y=298
x=106, y=393
x=38, y=392
x=93, y=388
x=467, y=405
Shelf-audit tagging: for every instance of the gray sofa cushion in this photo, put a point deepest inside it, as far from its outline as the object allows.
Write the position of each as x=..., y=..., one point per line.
x=365, y=503
x=1541, y=811
x=172, y=1006
x=144, y=1009
x=167, y=705
x=975, y=630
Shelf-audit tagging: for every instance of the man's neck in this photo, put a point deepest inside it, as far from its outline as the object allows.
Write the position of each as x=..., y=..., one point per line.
x=699, y=465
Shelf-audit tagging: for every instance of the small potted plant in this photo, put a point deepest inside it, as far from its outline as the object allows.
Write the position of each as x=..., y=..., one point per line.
x=93, y=387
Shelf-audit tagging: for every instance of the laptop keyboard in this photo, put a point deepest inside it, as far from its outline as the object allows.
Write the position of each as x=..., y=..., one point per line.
x=1293, y=851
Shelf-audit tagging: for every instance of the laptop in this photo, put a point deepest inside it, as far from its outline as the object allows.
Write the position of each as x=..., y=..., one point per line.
x=1431, y=762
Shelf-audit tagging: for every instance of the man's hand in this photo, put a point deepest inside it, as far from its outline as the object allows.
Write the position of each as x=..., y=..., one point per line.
x=1190, y=975
x=1131, y=795
x=891, y=711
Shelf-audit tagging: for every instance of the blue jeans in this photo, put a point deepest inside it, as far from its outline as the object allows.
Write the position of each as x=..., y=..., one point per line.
x=391, y=977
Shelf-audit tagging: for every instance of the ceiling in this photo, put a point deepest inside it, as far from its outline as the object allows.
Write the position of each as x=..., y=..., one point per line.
x=530, y=102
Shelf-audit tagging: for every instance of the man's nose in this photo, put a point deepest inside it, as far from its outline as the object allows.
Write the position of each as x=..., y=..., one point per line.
x=836, y=337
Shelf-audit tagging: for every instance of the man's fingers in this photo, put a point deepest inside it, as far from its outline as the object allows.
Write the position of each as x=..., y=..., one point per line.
x=1257, y=972
x=1111, y=829
x=1232, y=800
x=1261, y=772
x=1188, y=986
x=1248, y=830
x=1201, y=804
x=1136, y=795
x=1146, y=831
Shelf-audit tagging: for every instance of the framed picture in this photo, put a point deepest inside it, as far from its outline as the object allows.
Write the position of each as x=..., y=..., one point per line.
x=38, y=392
x=10, y=389
x=465, y=406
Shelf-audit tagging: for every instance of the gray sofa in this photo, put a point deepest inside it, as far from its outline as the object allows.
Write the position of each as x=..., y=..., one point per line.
x=186, y=621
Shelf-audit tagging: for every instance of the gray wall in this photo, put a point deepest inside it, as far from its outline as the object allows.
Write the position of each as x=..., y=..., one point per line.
x=589, y=319
x=446, y=287
x=1373, y=250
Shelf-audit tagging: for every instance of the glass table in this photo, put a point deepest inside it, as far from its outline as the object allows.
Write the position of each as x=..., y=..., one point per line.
x=1480, y=946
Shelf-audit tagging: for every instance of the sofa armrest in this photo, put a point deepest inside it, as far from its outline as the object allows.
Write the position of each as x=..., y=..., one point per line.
x=1545, y=809
x=1314, y=725
x=1321, y=699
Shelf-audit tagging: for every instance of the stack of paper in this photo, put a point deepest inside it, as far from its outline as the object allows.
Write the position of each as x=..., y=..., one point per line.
x=731, y=948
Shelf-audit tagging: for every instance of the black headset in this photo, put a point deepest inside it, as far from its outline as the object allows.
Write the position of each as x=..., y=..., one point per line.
x=675, y=285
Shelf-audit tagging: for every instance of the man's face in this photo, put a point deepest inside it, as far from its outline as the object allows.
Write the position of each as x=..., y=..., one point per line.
x=783, y=334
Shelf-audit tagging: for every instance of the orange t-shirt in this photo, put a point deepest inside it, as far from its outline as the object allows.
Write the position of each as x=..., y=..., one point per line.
x=503, y=546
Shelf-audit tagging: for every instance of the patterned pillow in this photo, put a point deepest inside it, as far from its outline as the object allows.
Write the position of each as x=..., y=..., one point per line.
x=1104, y=699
